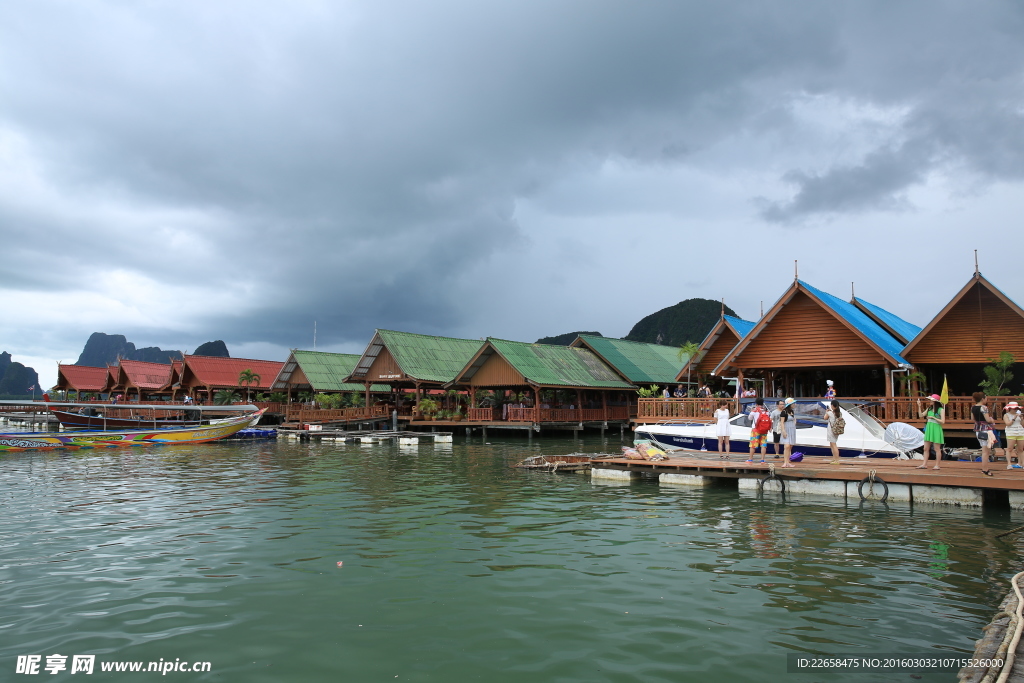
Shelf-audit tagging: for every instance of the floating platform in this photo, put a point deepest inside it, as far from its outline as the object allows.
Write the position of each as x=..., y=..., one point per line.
x=367, y=436
x=955, y=483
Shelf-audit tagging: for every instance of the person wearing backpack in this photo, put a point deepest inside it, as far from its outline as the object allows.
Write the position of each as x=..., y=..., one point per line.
x=836, y=426
x=760, y=426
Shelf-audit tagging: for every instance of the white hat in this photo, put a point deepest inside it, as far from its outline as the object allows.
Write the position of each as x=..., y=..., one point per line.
x=828, y=382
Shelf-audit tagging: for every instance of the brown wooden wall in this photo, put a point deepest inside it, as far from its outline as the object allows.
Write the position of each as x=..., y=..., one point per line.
x=496, y=372
x=976, y=328
x=803, y=334
x=298, y=377
x=383, y=365
x=721, y=346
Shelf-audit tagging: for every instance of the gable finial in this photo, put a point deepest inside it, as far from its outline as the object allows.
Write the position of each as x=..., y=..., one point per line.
x=976, y=272
x=796, y=269
x=762, y=309
x=853, y=294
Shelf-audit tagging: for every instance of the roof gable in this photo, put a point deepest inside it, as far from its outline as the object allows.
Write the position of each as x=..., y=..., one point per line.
x=81, y=377
x=847, y=315
x=551, y=365
x=719, y=341
x=638, y=362
x=421, y=357
x=321, y=371
x=977, y=324
x=144, y=375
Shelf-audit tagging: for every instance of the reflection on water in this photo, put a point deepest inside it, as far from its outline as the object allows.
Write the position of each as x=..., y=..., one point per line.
x=457, y=567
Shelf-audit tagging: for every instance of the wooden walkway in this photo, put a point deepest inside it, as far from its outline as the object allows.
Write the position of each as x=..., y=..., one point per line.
x=952, y=472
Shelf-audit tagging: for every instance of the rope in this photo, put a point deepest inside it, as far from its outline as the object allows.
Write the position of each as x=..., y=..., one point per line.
x=1008, y=647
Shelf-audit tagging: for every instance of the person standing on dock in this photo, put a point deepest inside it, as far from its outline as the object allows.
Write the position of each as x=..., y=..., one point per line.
x=836, y=426
x=787, y=429
x=935, y=417
x=776, y=429
x=723, y=430
x=984, y=427
x=1014, y=433
x=760, y=425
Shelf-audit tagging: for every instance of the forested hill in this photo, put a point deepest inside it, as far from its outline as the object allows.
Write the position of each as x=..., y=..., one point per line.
x=564, y=339
x=689, y=320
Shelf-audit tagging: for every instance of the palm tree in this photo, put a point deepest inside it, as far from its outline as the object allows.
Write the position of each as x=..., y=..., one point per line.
x=690, y=350
x=247, y=378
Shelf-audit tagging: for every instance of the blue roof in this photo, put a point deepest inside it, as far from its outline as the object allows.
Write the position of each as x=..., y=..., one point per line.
x=742, y=327
x=861, y=321
x=904, y=329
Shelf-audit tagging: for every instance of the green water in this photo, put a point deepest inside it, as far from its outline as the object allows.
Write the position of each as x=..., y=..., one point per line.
x=460, y=568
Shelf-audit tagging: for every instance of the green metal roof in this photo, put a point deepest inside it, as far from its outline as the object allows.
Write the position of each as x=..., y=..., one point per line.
x=639, y=362
x=428, y=358
x=326, y=371
x=564, y=366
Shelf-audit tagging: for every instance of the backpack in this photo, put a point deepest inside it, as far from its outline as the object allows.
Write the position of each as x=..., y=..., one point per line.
x=764, y=423
x=838, y=425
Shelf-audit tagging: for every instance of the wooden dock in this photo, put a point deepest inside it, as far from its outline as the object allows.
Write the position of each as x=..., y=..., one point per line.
x=955, y=483
x=951, y=472
x=403, y=438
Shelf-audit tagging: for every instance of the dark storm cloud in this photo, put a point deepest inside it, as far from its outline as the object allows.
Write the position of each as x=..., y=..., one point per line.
x=359, y=164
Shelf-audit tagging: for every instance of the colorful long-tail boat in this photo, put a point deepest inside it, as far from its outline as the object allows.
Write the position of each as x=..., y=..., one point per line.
x=199, y=433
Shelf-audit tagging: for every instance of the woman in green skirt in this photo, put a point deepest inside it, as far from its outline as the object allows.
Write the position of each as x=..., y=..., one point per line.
x=935, y=417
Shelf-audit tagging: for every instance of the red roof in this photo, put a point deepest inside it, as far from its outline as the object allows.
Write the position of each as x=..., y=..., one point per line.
x=146, y=375
x=81, y=377
x=217, y=371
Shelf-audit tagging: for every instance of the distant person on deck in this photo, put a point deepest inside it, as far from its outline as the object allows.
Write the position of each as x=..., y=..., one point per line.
x=704, y=391
x=935, y=417
x=830, y=393
x=679, y=393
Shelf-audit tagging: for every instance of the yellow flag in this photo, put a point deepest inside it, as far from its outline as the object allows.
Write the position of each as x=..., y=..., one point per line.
x=944, y=396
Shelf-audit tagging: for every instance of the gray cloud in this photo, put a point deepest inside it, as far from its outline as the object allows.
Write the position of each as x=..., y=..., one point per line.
x=364, y=164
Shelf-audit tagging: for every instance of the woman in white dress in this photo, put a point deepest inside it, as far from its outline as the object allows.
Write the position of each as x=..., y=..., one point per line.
x=722, y=429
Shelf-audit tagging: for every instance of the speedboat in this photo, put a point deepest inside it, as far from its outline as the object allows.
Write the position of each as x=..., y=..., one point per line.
x=864, y=435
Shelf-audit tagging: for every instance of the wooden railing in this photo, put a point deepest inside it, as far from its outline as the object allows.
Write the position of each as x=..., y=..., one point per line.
x=483, y=414
x=885, y=408
x=306, y=415
x=567, y=414
x=698, y=409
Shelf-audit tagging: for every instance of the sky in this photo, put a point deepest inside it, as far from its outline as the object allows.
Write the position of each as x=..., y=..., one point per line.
x=182, y=172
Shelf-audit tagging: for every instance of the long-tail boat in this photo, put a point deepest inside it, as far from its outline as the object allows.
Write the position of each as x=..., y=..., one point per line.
x=196, y=433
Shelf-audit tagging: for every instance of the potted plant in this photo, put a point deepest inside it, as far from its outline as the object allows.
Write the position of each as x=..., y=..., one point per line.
x=428, y=408
x=442, y=415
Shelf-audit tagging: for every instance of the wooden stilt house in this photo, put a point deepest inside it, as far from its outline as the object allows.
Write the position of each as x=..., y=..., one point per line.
x=203, y=376
x=810, y=336
x=412, y=361
x=550, y=384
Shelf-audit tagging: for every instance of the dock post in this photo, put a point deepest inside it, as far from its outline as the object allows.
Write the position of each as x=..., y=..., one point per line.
x=485, y=433
x=469, y=430
x=394, y=420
